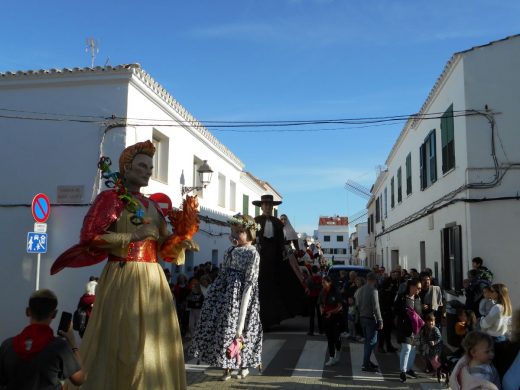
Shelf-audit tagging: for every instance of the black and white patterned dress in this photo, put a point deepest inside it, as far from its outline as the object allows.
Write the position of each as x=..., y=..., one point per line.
x=219, y=316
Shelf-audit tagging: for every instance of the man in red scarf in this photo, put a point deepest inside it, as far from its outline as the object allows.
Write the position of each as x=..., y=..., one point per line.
x=35, y=359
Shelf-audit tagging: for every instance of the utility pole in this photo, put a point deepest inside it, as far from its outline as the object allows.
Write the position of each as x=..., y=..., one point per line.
x=93, y=47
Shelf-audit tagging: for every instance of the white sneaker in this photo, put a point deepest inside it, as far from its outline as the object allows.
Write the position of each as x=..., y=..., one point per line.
x=337, y=357
x=331, y=361
x=243, y=373
x=226, y=375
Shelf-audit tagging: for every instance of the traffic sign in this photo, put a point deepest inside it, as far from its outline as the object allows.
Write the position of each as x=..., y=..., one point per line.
x=37, y=242
x=41, y=208
x=164, y=202
x=40, y=227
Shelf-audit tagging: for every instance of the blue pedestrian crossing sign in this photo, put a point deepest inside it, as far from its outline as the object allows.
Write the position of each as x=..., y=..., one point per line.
x=36, y=242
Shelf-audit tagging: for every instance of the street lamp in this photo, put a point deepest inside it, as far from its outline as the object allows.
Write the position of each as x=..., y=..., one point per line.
x=205, y=172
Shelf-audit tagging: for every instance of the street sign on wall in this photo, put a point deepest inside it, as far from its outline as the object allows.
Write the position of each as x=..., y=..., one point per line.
x=41, y=208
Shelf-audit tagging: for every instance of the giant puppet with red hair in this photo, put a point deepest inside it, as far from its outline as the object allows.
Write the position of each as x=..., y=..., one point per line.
x=133, y=339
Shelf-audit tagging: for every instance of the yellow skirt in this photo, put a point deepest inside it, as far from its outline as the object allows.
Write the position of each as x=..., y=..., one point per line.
x=133, y=340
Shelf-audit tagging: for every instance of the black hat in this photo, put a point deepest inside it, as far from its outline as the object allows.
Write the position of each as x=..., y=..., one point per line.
x=267, y=199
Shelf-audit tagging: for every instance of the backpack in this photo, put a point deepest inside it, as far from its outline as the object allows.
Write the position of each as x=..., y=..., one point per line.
x=79, y=320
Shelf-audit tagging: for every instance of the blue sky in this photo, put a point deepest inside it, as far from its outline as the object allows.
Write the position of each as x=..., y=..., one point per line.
x=246, y=60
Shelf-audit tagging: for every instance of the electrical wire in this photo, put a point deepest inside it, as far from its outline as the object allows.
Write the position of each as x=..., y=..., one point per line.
x=236, y=126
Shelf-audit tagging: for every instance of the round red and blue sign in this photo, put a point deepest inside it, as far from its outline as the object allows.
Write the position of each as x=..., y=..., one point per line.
x=41, y=208
x=164, y=202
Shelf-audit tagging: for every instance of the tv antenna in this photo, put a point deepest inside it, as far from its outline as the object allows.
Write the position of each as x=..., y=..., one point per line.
x=93, y=48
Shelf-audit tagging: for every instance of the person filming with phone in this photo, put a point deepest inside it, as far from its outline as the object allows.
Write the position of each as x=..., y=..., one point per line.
x=35, y=358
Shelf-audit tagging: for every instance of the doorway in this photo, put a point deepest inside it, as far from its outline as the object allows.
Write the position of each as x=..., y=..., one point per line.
x=394, y=258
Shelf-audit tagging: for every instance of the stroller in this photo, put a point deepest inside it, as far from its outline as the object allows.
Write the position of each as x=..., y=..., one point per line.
x=448, y=362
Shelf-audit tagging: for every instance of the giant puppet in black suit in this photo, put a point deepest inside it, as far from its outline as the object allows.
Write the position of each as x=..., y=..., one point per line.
x=281, y=294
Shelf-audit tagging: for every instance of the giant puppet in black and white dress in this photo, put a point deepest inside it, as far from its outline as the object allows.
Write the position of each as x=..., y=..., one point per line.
x=281, y=293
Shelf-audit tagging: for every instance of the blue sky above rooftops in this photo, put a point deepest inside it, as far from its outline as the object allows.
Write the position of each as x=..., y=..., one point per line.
x=270, y=60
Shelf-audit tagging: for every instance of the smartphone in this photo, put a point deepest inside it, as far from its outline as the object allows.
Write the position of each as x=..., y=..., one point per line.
x=65, y=320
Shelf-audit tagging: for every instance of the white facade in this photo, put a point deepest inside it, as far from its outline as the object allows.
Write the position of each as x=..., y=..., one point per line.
x=94, y=112
x=333, y=236
x=456, y=217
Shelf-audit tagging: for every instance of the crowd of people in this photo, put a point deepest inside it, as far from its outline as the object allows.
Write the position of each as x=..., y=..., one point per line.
x=264, y=278
x=409, y=305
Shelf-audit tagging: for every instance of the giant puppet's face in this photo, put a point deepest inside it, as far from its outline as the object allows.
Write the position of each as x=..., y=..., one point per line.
x=267, y=208
x=139, y=172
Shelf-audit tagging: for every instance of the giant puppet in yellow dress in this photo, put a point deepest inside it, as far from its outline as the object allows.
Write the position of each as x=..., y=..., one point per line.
x=133, y=339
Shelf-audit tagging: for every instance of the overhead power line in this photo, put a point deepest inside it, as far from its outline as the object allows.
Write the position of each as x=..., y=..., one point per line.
x=233, y=126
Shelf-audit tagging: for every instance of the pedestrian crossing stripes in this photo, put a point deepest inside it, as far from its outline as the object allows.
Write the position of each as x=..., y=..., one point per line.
x=310, y=363
x=296, y=355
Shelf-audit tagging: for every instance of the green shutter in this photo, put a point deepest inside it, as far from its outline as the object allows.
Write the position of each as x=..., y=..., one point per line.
x=433, y=157
x=448, y=140
x=409, y=174
x=392, y=199
x=257, y=211
x=245, y=205
x=399, y=185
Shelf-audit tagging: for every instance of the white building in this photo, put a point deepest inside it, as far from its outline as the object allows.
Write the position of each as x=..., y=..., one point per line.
x=55, y=125
x=333, y=236
x=450, y=191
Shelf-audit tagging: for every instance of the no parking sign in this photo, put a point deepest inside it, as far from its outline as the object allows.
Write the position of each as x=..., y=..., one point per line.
x=41, y=208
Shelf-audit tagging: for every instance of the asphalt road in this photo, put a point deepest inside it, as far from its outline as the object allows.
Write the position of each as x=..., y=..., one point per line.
x=293, y=360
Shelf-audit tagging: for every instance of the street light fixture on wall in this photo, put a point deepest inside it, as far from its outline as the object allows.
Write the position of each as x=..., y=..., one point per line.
x=205, y=172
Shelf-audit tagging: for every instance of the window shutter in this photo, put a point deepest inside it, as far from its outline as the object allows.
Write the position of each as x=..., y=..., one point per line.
x=433, y=157
x=444, y=141
x=422, y=165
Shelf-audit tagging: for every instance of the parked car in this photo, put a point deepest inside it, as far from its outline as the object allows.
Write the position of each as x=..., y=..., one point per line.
x=360, y=270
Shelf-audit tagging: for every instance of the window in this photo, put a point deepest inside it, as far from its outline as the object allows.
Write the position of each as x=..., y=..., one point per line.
x=232, y=195
x=409, y=174
x=160, y=158
x=452, y=258
x=339, y=238
x=378, y=215
x=428, y=161
x=326, y=238
x=343, y=251
x=257, y=211
x=392, y=199
x=275, y=213
x=399, y=186
x=386, y=202
x=221, y=190
x=245, y=205
x=448, y=140
x=214, y=257
x=372, y=222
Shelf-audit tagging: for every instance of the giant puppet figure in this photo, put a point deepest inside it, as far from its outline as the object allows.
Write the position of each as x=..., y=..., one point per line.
x=281, y=294
x=133, y=339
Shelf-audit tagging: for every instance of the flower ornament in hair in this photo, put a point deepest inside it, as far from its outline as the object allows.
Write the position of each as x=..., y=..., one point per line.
x=237, y=220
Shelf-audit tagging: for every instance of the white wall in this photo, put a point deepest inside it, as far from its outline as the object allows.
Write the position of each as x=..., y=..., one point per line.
x=40, y=155
x=479, y=77
x=333, y=231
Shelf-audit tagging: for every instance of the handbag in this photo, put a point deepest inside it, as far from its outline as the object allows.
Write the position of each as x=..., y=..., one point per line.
x=233, y=351
x=415, y=319
x=435, y=362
